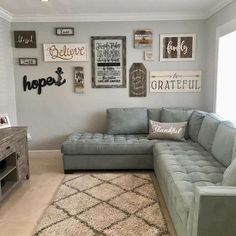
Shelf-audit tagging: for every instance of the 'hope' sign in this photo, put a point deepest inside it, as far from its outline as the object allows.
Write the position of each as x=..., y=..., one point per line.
x=40, y=83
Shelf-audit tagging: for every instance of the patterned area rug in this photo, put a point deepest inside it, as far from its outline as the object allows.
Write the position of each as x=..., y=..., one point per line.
x=112, y=204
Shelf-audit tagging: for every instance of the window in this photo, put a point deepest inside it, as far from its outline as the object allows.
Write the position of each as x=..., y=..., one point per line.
x=226, y=77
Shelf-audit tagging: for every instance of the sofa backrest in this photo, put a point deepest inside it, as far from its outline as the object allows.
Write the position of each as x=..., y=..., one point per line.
x=195, y=123
x=208, y=130
x=127, y=121
x=176, y=115
x=223, y=144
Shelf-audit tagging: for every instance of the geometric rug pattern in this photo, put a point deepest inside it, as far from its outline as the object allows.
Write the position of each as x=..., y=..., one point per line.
x=104, y=204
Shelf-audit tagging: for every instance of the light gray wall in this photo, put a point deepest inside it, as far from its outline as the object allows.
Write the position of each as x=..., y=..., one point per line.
x=57, y=112
x=7, y=84
x=215, y=24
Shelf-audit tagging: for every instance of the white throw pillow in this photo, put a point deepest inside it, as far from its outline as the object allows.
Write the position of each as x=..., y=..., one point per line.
x=169, y=131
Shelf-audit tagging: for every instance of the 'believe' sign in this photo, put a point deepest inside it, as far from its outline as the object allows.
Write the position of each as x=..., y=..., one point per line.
x=175, y=81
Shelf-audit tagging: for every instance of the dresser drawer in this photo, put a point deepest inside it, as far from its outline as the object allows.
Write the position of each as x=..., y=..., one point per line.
x=6, y=149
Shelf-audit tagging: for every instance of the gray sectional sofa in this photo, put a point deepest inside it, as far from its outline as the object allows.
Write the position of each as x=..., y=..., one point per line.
x=189, y=173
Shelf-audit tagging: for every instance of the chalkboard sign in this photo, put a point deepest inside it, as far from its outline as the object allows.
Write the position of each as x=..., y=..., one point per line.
x=25, y=39
x=137, y=80
x=108, y=62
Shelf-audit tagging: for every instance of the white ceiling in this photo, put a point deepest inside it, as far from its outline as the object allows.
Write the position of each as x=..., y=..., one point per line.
x=93, y=10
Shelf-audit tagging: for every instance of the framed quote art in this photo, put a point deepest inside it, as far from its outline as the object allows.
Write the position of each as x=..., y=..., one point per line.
x=25, y=39
x=108, y=61
x=177, y=47
x=143, y=38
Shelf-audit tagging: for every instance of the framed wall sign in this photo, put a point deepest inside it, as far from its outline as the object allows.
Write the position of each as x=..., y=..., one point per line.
x=137, y=80
x=65, y=52
x=69, y=31
x=143, y=38
x=4, y=121
x=177, y=47
x=25, y=39
x=108, y=62
x=148, y=55
x=175, y=81
x=79, y=79
x=28, y=61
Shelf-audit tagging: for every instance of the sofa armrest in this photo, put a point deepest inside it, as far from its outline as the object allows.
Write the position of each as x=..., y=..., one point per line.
x=214, y=211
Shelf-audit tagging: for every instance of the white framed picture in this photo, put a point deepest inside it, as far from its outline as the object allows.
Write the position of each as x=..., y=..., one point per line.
x=177, y=47
x=4, y=121
x=148, y=55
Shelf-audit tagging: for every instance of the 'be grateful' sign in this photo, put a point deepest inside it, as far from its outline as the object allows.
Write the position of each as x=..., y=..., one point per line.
x=65, y=52
x=175, y=81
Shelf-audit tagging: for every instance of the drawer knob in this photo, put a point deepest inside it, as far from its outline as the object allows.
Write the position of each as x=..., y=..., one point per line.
x=8, y=147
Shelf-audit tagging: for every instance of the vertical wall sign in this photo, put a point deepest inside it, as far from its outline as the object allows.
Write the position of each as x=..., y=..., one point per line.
x=25, y=39
x=65, y=52
x=108, y=62
x=79, y=79
x=143, y=38
x=137, y=80
x=177, y=47
x=42, y=82
x=175, y=81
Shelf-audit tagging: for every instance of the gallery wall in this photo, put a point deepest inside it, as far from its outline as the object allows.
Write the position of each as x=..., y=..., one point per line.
x=216, y=25
x=7, y=83
x=58, y=111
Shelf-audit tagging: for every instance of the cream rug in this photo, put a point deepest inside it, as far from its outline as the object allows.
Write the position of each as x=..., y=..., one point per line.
x=113, y=204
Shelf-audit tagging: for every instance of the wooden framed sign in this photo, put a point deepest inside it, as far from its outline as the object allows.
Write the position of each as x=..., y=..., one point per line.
x=65, y=52
x=143, y=38
x=79, y=79
x=108, y=62
x=175, y=81
x=177, y=47
x=137, y=80
x=25, y=39
x=69, y=31
x=28, y=61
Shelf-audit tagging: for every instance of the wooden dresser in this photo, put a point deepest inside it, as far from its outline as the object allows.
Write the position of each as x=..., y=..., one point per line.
x=14, y=162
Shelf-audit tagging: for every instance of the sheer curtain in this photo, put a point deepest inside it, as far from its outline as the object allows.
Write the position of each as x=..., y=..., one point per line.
x=226, y=77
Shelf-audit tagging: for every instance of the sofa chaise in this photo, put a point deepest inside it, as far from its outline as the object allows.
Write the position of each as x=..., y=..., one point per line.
x=190, y=173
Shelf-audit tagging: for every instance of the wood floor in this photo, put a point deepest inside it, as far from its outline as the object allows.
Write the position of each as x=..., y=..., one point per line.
x=22, y=209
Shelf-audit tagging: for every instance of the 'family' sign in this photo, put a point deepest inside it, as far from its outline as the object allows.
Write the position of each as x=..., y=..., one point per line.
x=65, y=52
x=175, y=81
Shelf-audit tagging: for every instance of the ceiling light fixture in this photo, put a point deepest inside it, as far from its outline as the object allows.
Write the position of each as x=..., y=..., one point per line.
x=44, y=0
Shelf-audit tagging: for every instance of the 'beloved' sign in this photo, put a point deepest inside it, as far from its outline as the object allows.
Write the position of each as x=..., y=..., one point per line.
x=65, y=52
x=175, y=81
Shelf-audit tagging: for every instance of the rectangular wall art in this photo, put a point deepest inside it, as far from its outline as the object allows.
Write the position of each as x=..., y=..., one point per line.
x=79, y=79
x=177, y=47
x=108, y=62
x=28, y=61
x=65, y=52
x=68, y=31
x=143, y=38
x=25, y=39
x=175, y=81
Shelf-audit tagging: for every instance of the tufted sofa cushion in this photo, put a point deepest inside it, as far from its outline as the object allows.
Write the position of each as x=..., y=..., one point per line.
x=98, y=143
x=184, y=166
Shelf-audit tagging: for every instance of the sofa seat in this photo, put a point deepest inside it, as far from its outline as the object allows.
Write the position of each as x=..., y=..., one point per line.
x=105, y=144
x=182, y=166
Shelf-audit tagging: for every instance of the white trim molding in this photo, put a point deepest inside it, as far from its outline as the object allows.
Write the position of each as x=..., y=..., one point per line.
x=217, y=8
x=153, y=16
x=45, y=153
x=106, y=17
x=6, y=15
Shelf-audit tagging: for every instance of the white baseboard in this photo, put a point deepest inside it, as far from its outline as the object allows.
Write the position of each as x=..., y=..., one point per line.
x=44, y=153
